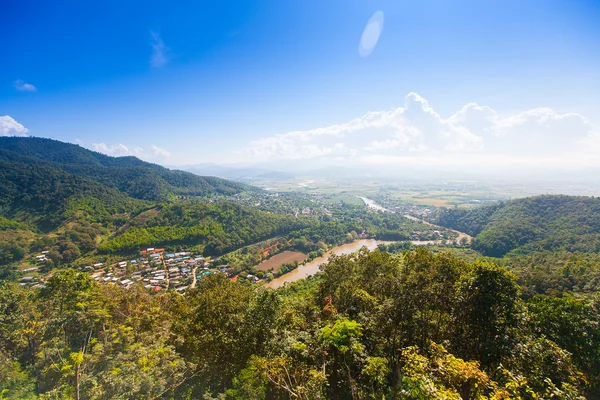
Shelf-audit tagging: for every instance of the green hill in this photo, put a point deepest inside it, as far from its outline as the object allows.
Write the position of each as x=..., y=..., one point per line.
x=130, y=175
x=44, y=196
x=550, y=222
x=70, y=200
x=216, y=227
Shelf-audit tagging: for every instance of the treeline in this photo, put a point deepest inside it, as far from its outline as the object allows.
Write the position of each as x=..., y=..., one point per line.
x=557, y=222
x=372, y=325
x=219, y=227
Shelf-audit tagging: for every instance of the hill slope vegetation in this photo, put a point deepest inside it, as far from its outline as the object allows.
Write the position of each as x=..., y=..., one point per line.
x=130, y=175
x=549, y=222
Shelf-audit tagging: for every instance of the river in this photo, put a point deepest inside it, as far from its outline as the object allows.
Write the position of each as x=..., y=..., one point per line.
x=312, y=267
x=371, y=204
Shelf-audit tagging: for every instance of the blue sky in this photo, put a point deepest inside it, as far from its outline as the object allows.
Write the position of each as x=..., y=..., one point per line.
x=189, y=82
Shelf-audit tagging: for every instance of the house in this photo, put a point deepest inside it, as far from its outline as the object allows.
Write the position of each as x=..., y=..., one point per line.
x=99, y=265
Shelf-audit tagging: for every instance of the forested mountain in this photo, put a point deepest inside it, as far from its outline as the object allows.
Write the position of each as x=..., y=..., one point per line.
x=130, y=175
x=550, y=222
x=44, y=196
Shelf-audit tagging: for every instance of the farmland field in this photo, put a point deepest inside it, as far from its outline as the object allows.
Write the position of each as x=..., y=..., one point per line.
x=278, y=260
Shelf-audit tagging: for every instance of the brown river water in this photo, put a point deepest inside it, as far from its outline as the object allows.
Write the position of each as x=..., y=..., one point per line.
x=312, y=267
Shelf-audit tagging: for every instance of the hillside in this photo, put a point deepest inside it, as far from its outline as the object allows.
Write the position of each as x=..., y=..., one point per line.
x=214, y=227
x=68, y=200
x=550, y=222
x=44, y=196
x=130, y=175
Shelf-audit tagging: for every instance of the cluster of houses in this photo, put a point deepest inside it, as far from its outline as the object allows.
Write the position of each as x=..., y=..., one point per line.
x=155, y=270
x=426, y=235
x=412, y=209
x=29, y=277
x=42, y=258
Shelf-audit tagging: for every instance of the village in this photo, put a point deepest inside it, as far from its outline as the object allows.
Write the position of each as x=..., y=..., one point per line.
x=154, y=269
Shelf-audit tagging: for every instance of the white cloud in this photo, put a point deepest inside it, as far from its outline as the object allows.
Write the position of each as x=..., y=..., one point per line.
x=24, y=86
x=116, y=150
x=153, y=154
x=371, y=34
x=417, y=131
x=536, y=132
x=10, y=127
x=158, y=151
x=159, y=51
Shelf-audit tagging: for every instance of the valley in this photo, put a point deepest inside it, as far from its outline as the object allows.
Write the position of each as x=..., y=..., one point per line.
x=225, y=283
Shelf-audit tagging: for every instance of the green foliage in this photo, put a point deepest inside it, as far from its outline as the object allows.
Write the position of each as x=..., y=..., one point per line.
x=221, y=227
x=532, y=224
x=371, y=325
x=574, y=325
x=341, y=334
x=14, y=382
x=45, y=196
x=553, y=273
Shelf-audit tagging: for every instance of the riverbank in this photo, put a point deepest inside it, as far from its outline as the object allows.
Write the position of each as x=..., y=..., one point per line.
x=312, y=267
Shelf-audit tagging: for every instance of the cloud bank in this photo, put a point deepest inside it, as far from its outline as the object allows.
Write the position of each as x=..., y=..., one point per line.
x=10, y=127
x=152, y=154
x=417, y=133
